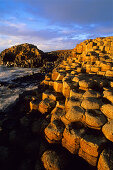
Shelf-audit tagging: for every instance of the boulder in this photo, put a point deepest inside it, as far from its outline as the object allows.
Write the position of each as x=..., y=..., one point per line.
x=72, y=101
x=108, y=94
x=107, y=130
x=65, y=120
x=105, y=161
x=89, y=158
x=46, y=105
x=75, y=114
x=93, y=144
x=76, y=79
x=95, y=119
x=66, y=88
x=84, y=83
x=57, y=113
x=107, y=109
x=76, y=93
x=54, y=75
x=91, y=103
x=51, y=160
x=51, y=83
x=109, y=73
x=60, y=76
x=58, y=85
x=54, y=131
x=60, y=104
x=50, y=94
x=34, y=104
x=71, y=137
x=91, y=93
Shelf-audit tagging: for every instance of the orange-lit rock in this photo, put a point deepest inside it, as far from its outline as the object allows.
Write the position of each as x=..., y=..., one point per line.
x=91, y=103
x=46, y=105
x=54, y=131
x=91, y=93
x=72, y=136
x=72, y=101
x=66, y=88
x=58, y=86
x=92, y=144
x=75, y=114
x=108, y=130
x=106, y=159
x=107, y=109
x=95, y=119
x=89, y=158
x=55, y=75
x=51, y=160
x=57, y=113
x=34, y=104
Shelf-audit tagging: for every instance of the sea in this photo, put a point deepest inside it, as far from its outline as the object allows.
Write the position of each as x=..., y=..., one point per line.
x=10, y=88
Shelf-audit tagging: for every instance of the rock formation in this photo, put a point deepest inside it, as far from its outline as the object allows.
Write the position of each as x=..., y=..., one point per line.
x=28, y=55
x=24, y=55
x=79, y=101
x=73, y=110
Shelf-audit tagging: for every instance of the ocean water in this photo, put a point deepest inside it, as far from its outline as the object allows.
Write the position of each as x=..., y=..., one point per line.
x=10, y=89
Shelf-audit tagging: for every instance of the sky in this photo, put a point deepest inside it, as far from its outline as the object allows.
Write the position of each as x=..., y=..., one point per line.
x=54, y=24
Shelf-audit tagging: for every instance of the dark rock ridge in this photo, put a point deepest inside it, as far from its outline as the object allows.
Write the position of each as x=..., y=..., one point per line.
x=24, y=55
x=28, y=55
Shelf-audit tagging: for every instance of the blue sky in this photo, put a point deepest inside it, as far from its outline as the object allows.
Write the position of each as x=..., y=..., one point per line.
x=54, y=24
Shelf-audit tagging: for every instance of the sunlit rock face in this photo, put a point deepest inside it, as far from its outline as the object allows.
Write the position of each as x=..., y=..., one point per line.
x=81, y=120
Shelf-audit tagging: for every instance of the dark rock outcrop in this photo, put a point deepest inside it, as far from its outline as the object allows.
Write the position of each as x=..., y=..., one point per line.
x=24, y=55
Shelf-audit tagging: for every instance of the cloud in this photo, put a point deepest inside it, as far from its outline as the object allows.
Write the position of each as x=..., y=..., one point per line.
x=72, y=11
x=54, y=24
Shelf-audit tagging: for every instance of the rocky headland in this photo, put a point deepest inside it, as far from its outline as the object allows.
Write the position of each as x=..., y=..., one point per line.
x=68, y=119
x=29, y=56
